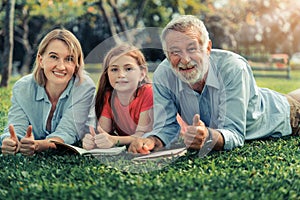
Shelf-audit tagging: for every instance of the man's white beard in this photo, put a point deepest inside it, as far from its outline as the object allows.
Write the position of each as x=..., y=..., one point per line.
x=196, y=75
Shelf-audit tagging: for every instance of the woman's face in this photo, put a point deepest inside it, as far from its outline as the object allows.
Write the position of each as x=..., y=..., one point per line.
x=58, y=64
x=124, y=73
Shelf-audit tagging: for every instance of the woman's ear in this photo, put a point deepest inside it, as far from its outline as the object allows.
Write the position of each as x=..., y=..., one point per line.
x=40, y=60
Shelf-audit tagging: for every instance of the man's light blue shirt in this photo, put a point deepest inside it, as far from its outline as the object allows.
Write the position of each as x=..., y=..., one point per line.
x=31, y=106
x=230, y=102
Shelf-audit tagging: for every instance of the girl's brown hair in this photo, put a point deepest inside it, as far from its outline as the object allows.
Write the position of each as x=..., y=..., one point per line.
x=104, y=85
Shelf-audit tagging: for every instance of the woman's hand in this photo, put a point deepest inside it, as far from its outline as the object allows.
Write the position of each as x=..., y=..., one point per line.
x=11, y=145
x=28, y=145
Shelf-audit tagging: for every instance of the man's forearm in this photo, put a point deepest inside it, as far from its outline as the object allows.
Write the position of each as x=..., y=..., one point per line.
x=217, y=139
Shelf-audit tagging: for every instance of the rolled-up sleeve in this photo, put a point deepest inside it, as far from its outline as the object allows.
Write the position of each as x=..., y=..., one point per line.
x=233, y=106
x=165, y=125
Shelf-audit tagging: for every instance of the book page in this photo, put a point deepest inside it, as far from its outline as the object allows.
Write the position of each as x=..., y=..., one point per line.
x=81, y=151
x=169, y=153
x=109, y=151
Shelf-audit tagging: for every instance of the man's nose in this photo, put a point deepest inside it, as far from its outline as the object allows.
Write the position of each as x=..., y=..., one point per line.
x=185, y=58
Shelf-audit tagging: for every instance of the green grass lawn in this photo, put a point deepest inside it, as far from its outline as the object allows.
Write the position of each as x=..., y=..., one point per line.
x=265, y=169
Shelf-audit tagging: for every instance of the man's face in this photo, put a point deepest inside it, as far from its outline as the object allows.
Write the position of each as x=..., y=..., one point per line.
x=188, y=58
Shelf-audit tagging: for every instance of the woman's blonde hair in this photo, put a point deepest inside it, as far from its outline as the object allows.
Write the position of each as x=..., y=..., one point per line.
x=74, y=47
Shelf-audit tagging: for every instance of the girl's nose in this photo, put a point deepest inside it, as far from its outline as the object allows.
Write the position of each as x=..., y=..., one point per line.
x=121, y=73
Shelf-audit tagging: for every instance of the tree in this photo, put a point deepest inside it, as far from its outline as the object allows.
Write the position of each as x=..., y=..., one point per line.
x=8, y=43
x=264, y=27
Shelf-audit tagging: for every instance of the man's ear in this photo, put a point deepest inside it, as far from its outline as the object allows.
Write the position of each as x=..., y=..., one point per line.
x=209, y=46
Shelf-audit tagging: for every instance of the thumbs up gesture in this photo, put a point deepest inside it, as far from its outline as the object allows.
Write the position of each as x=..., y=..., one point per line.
x=11, y=145
x=28, y=144
x=196, y=134
x=103, y=139
x=88, y=141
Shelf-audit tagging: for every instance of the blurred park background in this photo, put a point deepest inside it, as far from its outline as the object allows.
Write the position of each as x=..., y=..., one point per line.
x=257, y=29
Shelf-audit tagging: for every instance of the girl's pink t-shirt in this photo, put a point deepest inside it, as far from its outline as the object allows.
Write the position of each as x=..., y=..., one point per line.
x=125, y=118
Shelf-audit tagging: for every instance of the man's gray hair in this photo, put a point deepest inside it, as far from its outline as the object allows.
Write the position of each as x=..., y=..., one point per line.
x=184, y=23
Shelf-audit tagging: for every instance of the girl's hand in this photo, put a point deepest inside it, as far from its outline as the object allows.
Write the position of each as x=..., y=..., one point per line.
x=88, y=142
x=104, y=140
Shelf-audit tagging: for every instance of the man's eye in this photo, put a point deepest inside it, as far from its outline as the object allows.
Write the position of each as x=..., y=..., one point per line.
x=175, y=53
x=192, y=50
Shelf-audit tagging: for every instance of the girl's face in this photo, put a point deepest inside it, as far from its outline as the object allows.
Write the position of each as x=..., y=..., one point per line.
x=124, y=73
x=58, y=64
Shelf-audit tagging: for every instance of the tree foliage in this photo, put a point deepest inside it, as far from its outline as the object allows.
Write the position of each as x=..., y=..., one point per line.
x=245, y=26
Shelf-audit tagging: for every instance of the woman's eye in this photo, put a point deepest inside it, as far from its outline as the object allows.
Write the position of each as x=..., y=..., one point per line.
x=54, y=57
x=70, y=59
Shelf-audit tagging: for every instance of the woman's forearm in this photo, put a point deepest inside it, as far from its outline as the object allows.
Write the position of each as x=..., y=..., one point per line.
x=46, y=144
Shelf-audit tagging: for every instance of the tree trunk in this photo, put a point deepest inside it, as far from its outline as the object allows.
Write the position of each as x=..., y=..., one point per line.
x=25, y=41
x=140, y=12
x=119, y=20
x=8, y=43
x=109, y=22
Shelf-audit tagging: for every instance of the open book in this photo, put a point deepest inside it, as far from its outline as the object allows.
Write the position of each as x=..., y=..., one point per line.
x=161, y=154
x=81, y=151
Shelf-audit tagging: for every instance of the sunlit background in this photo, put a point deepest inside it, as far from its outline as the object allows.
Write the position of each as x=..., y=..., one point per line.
x=253, y=28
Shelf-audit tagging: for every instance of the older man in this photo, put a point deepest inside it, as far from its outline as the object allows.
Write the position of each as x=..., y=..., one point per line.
x=214, y=91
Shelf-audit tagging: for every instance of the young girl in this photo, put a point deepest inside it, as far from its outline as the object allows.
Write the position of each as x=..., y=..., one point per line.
x=124, y=100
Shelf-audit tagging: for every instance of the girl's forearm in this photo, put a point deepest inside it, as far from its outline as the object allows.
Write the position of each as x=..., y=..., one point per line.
x=124, y=140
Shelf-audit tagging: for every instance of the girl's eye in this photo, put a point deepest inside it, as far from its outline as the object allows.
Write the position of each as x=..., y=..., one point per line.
x=114, y=69
x=129, y=69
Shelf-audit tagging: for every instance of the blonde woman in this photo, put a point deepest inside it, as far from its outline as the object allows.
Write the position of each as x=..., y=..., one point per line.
x=52, y=102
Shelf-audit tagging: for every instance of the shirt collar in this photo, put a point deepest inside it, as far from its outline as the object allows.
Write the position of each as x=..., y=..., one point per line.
x=41, y=93
x=211, y=81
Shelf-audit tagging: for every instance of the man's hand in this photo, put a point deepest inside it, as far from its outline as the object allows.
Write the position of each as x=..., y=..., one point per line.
x=11, y=145
x=28, y=144
x=145, y=145
x=196, y=135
